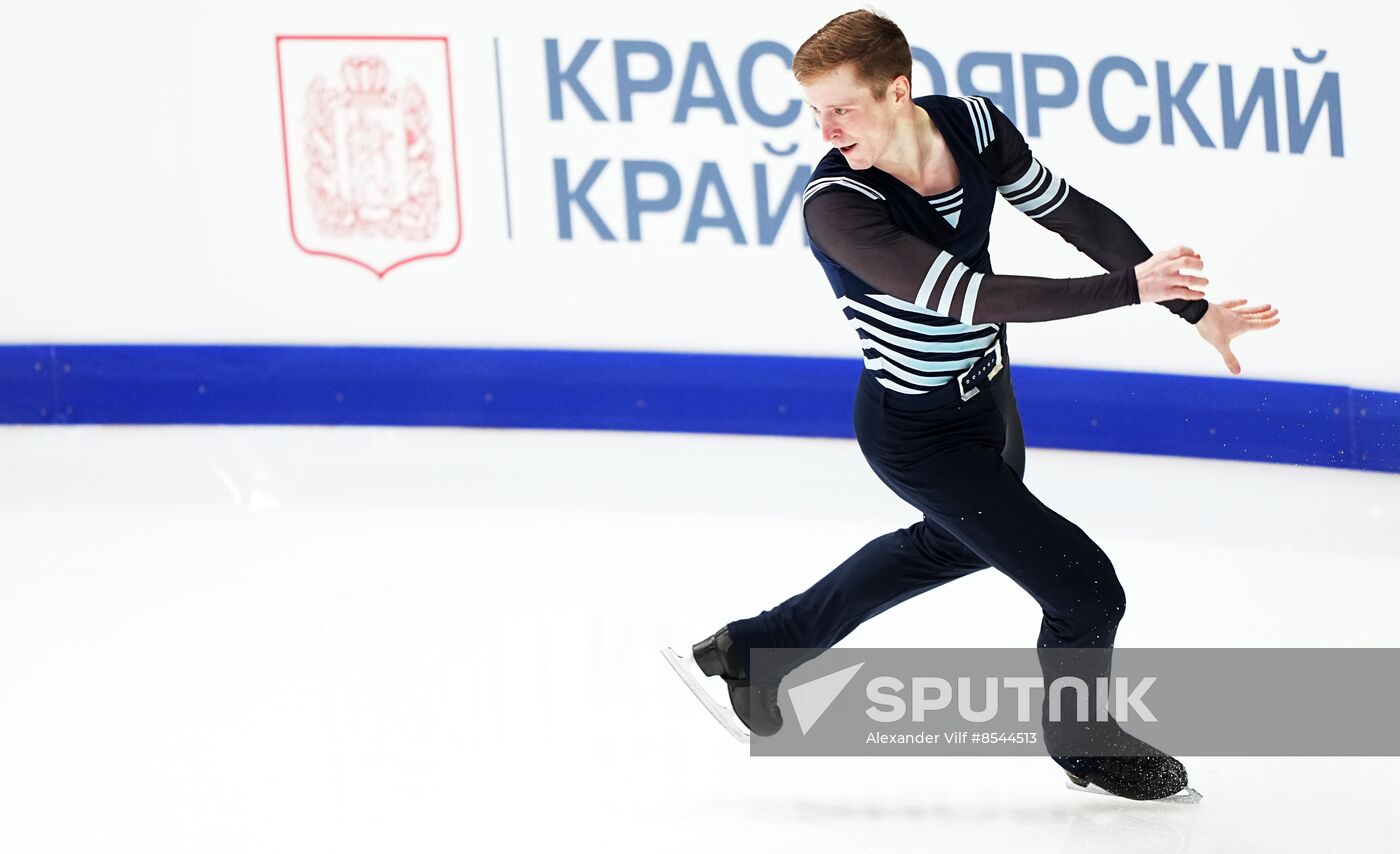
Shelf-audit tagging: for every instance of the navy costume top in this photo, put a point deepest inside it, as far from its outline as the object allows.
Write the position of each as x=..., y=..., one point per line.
x=913, y=274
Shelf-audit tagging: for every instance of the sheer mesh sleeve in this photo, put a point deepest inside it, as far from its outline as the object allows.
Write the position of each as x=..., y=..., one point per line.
x=1048, y=199
x=856, y=232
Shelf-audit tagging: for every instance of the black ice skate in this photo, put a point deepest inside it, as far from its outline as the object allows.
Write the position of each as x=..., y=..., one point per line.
x=1135, y=770
x=755, y=705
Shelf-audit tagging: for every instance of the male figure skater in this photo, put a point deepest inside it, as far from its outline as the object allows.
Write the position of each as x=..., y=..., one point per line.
x=898, y=214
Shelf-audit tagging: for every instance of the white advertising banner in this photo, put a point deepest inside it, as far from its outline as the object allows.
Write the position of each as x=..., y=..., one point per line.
x=624, y=176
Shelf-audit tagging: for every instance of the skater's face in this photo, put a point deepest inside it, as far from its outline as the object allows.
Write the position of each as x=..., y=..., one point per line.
x=851, y=117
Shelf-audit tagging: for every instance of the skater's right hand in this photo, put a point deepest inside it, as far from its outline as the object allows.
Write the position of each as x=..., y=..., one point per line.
x=1227, y=320
x=1160, y=278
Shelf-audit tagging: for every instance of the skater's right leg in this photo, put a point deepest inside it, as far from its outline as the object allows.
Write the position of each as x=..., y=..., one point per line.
x=884, y=572
x=891, y=568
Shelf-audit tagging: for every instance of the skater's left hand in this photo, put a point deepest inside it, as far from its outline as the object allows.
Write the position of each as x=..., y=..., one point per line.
x=1224, y=321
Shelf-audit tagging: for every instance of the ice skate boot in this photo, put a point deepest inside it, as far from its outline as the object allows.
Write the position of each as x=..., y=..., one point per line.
x=756, y=706
x=1131, y=768
x=1138, y=778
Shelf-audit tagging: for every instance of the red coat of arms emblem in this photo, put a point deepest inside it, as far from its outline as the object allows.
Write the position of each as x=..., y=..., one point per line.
x=370, y=148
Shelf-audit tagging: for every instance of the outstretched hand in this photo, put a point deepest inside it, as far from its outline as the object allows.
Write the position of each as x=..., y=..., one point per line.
x=1224, y=321
x=1168, y=275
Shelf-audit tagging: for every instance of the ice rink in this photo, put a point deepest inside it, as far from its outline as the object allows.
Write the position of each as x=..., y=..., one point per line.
x=224, y=639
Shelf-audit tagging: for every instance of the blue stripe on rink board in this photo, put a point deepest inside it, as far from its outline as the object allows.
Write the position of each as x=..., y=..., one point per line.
x=1213, y=417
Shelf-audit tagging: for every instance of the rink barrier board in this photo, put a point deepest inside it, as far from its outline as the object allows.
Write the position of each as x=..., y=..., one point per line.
x=1073, y=408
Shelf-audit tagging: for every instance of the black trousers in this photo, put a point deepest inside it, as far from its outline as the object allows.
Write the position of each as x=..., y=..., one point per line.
x=960, y=464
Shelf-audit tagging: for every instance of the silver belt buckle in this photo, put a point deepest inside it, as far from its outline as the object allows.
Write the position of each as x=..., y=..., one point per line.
x=978, y=366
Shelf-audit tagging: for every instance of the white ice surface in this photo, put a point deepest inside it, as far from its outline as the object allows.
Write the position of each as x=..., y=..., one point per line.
x=373, y=640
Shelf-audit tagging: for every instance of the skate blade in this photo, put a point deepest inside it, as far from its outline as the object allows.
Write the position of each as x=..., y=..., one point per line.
x=683, y=665
x=1187, y=795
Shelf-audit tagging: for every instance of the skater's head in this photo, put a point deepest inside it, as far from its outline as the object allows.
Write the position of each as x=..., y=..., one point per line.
x=854, y=74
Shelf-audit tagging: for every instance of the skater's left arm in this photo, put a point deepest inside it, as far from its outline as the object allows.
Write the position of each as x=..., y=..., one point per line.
x=1102, y=234
x=1052, y=202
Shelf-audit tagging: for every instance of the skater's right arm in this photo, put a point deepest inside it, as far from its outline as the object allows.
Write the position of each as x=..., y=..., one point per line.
x=856, y=232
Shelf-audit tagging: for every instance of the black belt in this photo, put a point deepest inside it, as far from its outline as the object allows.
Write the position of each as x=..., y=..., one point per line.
x=982, y=371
